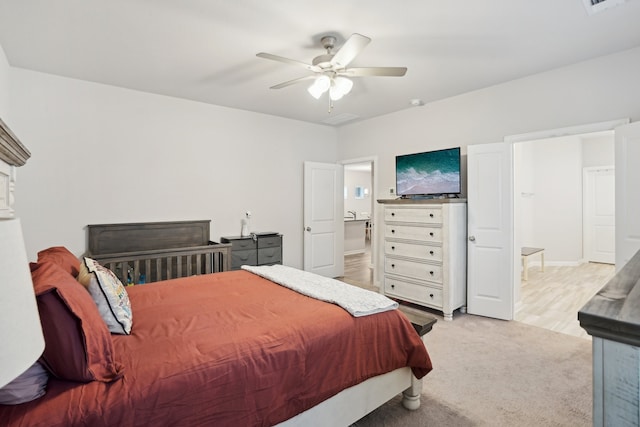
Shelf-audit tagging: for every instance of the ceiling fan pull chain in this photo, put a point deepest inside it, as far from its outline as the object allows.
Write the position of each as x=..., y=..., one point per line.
x=330, y=105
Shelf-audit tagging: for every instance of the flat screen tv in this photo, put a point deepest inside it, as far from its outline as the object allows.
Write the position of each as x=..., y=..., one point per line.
x=432, y=173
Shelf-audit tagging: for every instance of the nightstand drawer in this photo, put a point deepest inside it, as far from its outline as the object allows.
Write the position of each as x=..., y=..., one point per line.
x=242, y=244
x=408, y=232
x=413, y=292
x=421, y=215
x=269, y=242
x=239, y=258
x=416, y=270
x=269, y=255
x=412, y=250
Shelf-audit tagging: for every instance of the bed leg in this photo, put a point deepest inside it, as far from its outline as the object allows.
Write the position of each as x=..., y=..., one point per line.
x=411, y=396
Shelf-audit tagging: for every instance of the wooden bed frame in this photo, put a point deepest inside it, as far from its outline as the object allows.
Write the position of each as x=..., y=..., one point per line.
x=157, y=250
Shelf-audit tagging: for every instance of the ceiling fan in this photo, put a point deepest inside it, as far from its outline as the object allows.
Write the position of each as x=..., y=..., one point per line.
x=331, y=71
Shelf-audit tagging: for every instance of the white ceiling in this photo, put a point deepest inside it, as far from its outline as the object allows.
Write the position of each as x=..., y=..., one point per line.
x=205, y=50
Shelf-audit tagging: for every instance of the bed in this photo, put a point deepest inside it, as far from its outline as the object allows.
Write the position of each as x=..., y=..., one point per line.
x=204, y=346
x=229, y=348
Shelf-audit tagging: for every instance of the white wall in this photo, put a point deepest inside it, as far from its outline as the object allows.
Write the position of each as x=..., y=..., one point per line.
x=557, y=199
x=4, y=86
x=593, y=91
x=102, y=154
x=598, y=150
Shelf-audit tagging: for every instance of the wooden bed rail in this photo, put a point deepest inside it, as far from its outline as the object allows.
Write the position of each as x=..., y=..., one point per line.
x=163, y=264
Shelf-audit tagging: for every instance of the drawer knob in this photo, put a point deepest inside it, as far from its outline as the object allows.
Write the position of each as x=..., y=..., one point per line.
x=393, y=286
x=393, y=266
x=431, y=215
x=431, y=234
x=393, y=231
x=393, y=248
x=431, y=295
x=430, y=252
x=431, y=273
x=393, y=214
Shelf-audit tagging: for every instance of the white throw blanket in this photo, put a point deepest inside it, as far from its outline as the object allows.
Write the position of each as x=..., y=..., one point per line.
x=357, y=301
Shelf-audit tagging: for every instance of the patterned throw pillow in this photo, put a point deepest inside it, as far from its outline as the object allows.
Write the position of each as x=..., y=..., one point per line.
x=110, y=296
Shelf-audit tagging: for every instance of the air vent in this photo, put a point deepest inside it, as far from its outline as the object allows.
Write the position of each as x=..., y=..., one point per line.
x=595, y=6
x=340, y=119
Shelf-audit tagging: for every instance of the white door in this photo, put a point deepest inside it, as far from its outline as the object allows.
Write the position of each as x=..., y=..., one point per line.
x=627, y=193
x=599, y=215
x=491, y=258
x=323, y=219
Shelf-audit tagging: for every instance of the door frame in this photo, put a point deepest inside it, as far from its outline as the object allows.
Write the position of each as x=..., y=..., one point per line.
x=374, y=228
x=545, y=134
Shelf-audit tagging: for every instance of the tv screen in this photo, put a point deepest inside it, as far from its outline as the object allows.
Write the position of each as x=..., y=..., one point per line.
x=429, y=173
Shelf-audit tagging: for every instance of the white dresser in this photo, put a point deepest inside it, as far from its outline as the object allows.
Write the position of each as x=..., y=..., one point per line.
x=425, y=252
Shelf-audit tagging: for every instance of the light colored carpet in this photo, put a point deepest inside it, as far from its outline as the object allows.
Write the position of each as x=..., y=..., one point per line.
x=494, y=373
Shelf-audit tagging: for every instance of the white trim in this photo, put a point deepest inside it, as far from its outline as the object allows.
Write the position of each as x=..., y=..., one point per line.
x=566, y=131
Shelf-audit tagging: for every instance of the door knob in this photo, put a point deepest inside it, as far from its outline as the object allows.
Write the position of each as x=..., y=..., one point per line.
x=472, y=238
x=308, y=228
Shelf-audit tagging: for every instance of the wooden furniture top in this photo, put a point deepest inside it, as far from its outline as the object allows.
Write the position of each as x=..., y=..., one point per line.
x=12, y=151
x=147, y=236
x=422, y=322
x=525, y=251
x=613, y=312
x=420, y=201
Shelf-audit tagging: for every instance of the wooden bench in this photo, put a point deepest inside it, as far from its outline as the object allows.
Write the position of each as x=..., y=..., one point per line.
x=526, y=253
x=422, y=322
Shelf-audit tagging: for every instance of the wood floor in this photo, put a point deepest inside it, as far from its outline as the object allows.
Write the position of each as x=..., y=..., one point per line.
x=549, y=299
x=552, y=299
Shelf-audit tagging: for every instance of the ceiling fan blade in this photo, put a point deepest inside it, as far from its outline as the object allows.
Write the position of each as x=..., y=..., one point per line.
x=349, y=50
x=292, y=82
x=374, y=71
x=309, y=67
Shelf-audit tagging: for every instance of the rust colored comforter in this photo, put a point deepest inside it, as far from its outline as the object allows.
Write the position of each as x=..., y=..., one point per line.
x=228, y=349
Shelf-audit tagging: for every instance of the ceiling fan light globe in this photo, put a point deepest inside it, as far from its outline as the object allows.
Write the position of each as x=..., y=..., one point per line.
x=343, y=84
x=315, y=91
x=335, y=94
x=323, y=82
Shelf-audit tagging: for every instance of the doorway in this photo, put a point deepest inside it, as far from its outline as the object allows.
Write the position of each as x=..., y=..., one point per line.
x=359, y=219
x=564, y=203
x=493, y=269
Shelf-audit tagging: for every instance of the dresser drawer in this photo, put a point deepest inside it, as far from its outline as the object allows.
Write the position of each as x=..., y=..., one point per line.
x=239, y=258
x=269, y=242
x=420, y=215
x=416, y=270
x=412, y=250
x=422, y=234
x=269, y=255
x=413, y=292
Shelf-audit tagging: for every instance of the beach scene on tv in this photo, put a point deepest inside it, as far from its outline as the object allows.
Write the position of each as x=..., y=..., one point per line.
x=430, y=173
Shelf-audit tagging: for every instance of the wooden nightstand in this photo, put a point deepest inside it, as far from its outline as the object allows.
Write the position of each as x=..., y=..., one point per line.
x=255, y=249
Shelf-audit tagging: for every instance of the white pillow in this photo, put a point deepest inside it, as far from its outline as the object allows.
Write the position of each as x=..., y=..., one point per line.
x=30, y=385
x=110, y=296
